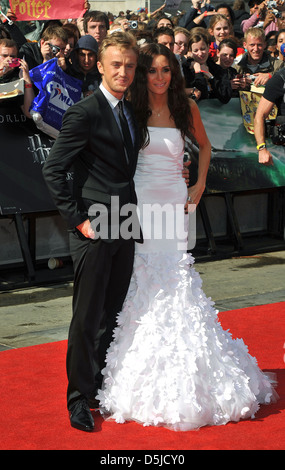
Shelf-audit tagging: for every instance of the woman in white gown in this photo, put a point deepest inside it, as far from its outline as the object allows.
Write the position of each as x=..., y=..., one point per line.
x=170, y=362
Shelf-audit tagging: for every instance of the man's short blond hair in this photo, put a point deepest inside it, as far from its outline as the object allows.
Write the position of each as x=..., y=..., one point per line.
x=255, y=33
x=119, y=39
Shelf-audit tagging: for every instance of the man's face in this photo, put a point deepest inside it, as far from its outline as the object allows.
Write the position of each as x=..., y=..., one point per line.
x=224, y=11
x=167, y=41
x=6, y=55
x=124, y=24
x=164, y=22
x=46, y=48
x=253, y=7
x=117, y=68
x=86, y=59
x=255, y=47
x=97, y=29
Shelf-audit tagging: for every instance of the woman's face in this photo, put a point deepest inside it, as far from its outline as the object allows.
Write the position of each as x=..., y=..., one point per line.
x=221, y=31
x=181, y=44
x=280, y=41
x=226, y=57
x=200, y=51
x=159, y=75
x=69, y=47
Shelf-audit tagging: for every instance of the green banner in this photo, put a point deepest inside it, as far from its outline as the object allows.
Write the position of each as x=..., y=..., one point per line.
x=234, y=163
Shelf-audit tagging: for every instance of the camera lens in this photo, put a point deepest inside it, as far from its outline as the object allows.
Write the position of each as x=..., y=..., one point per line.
x=54, y=49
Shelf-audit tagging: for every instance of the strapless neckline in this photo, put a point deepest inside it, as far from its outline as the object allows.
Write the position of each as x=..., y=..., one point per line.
x=155, y=127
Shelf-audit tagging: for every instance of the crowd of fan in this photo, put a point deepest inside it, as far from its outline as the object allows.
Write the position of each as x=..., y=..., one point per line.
x=221, y=50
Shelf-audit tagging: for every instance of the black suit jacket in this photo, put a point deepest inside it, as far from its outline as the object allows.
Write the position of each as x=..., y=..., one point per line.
x=90, y=143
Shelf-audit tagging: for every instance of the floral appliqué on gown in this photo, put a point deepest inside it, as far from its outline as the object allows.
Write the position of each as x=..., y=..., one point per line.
x=170, y=362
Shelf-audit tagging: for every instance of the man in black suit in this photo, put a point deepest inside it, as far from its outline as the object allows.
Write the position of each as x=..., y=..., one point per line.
x=104, y=162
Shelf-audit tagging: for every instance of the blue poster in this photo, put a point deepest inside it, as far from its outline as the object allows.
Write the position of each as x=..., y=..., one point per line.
x=57, y=92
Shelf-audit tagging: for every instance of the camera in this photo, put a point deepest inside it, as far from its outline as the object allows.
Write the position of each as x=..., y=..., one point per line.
x=252, y=78
x=272, y=5
x=54, y=49
x=15, y=62
x=278, y=134
x=133, y=24
x=276, y=131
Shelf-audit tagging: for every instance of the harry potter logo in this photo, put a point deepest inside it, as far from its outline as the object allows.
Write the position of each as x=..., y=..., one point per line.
x=39, y=150
x=33, y=8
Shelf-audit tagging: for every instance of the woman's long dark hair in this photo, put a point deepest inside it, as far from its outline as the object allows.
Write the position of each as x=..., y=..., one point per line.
x=178, y=102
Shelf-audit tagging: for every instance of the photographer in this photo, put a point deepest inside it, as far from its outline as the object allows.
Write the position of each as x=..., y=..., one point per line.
x=273, y=94
x=264, y=15
x=8, y=58
x=52, y=44
x=11, y=69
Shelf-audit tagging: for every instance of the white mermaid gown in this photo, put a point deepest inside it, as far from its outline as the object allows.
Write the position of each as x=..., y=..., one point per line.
x=170, y=362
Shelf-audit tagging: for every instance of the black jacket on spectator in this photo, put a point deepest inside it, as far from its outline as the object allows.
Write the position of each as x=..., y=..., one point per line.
x=31, y=52
x=187, y=20
x=15, y=33
x=218, y=87
x=240, y=15
x=90, y=81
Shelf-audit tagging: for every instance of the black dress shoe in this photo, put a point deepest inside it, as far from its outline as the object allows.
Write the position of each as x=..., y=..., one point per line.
x=93, y=403
x=81, y=417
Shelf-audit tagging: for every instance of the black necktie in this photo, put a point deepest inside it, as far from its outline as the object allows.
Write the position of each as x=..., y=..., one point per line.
x=126, y=132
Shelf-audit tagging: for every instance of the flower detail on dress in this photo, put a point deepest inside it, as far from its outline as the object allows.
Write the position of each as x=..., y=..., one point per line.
x=171, y=363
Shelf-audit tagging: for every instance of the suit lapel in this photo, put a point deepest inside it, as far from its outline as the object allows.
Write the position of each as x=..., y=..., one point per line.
x=108, y=116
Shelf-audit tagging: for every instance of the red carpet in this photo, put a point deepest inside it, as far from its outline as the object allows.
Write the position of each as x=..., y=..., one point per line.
x=33, y=410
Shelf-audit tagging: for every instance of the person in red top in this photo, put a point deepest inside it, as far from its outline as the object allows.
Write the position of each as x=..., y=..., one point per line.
x=210, y=78
x=220, y=28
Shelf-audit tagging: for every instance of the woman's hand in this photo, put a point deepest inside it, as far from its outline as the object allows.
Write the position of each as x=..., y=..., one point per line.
x=195, y=193
x=197, y=129
x=186, y=172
